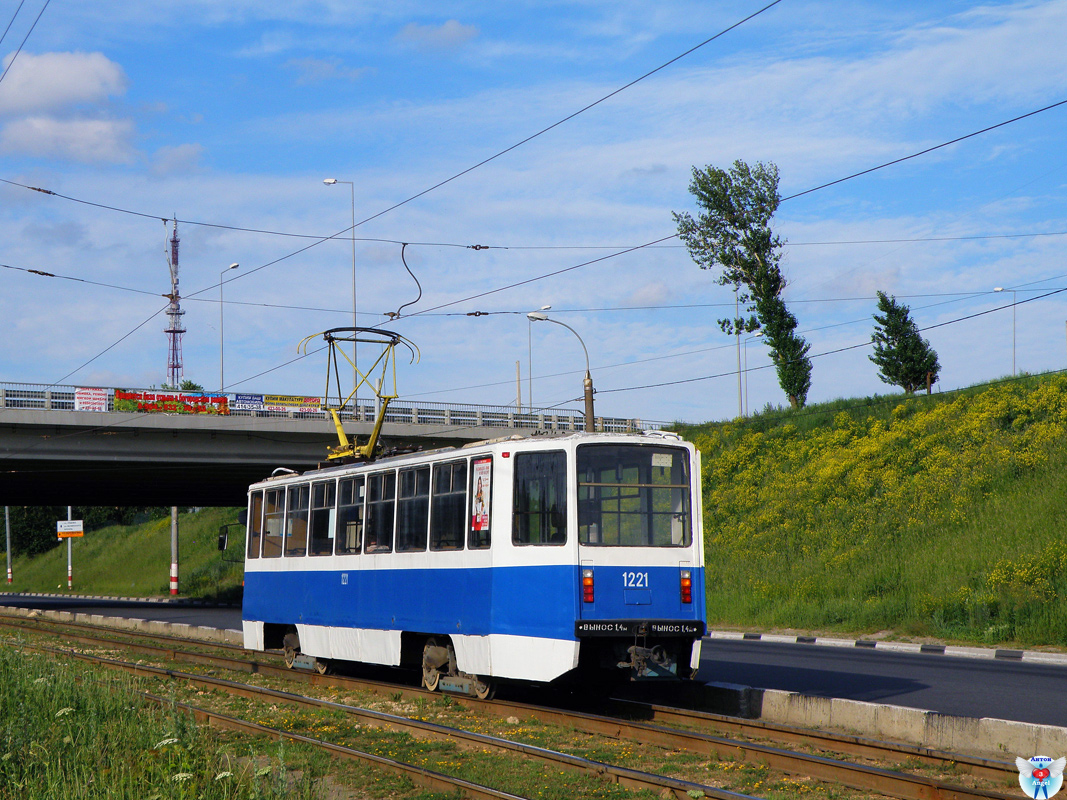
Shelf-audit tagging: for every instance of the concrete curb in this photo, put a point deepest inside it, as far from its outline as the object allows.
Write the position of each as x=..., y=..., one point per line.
x=999, y=738
x=180, y=601
x=201, y=632
x=1032, y=656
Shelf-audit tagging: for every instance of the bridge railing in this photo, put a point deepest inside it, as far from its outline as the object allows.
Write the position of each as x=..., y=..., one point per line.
x=406, y=412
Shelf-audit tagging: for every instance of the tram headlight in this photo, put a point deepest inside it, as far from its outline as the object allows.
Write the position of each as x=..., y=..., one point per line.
x=687, y=586
x=587, y=586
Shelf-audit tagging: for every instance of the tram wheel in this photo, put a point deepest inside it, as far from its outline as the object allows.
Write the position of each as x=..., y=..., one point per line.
x=322, y=667
x=290, y=657
x=484, y=691
x=431, y=676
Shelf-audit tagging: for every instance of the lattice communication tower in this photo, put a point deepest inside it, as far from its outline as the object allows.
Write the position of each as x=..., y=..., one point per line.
x=174, y=329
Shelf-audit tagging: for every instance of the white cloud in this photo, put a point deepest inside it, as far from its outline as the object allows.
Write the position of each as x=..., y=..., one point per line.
x=180, y=158
x=59, y=81
x=313, y=70
x=446, y=36
x=85, y=140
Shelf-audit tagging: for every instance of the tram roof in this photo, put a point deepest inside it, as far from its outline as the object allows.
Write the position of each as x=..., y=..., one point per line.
x=281, y=473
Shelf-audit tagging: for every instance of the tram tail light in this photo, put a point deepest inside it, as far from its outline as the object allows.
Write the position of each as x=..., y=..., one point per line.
x=687, y=586
x=587, y=586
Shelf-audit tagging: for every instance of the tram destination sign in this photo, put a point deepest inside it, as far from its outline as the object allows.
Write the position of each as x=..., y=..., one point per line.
x=643, y=627
x=69, y=528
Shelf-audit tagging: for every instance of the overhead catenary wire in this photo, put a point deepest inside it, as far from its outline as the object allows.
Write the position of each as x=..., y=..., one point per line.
x=444, y=182
x=828, y=352
x=638, y=247
x=11, y=21
x=22, y=44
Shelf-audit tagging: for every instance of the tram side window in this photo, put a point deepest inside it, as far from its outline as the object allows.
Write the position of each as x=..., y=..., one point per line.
x=296, y=521
x=540, y=498
x=448, y=506
x=255, y=525
x=273, y=517
x=381, y=502
x=349, y=515
x=479, y=535
x=323, y=518
x=413, y=510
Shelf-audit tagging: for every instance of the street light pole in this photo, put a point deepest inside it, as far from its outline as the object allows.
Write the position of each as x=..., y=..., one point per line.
x=1001, y=289
x=222, y=378
x=737, y=336
x=355, y=323
x=529, y=345
x=537, y=316
x=756, y=335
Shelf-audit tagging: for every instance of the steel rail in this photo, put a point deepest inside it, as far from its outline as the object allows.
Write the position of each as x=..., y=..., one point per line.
x=902, y=785
x=628, y=778
x=435, y=781
x=843, y=744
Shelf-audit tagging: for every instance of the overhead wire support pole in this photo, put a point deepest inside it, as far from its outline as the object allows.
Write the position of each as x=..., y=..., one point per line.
x=7, y=528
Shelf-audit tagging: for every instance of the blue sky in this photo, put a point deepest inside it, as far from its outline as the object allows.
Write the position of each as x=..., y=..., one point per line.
x=234, y=112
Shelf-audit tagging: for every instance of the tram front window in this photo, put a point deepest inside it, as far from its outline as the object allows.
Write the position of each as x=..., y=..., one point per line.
x=633, y=496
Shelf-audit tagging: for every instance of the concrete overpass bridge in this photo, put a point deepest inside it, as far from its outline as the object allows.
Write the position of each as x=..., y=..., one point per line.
x=53, y=454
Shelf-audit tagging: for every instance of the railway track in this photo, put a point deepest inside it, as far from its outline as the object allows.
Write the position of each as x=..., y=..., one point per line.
x=656, y=731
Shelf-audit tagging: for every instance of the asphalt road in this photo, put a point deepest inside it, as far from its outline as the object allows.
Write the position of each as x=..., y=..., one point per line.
x=1003, y=689
x=163, y=612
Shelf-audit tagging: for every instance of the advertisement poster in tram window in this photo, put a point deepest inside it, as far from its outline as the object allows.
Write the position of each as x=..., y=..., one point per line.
x=481, y=476
x=90, y=399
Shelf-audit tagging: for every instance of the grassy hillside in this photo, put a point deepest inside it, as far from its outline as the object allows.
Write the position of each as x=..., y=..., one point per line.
x=135, y=560
x=937, y=515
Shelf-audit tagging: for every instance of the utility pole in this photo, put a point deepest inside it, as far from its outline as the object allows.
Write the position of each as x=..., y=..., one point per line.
x=70, y=561
x=173, y=549
x=7, y=527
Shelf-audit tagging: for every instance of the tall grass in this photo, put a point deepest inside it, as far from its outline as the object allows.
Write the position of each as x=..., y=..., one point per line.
x=135, y=560
x=61, y=737
x=929, y=515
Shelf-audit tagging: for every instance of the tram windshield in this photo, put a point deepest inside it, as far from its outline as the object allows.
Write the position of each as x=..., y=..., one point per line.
x=633, y=496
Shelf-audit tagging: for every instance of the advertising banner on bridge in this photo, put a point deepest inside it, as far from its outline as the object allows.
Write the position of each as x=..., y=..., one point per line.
x=90, y=399
x=171, y=402
x=282, y=403
x=288, y=402
x=247, y=402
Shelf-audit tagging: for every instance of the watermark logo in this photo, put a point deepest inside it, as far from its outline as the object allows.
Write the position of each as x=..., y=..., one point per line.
x=1040, y=776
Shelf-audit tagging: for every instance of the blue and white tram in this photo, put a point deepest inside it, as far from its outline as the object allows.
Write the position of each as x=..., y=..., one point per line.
x=527, y=558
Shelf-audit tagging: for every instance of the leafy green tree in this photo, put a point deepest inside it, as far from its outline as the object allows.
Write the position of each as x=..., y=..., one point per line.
x=904, y=358
x=733, y=234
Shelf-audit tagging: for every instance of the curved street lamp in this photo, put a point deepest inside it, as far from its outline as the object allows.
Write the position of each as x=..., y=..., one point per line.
x=537, y=316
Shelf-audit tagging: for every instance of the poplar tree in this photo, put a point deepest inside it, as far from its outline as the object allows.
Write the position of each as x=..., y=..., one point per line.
x=904, y=358
x=733, y=234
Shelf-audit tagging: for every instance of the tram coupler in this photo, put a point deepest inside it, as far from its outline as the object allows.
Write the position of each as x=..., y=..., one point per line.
x=300, y=661
x=456, y=684
x=649, y=663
